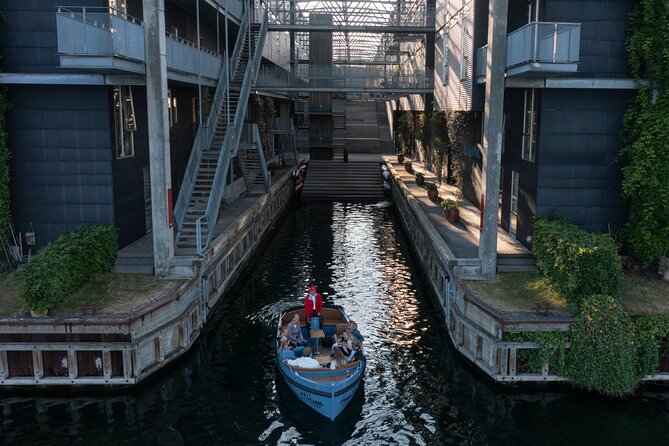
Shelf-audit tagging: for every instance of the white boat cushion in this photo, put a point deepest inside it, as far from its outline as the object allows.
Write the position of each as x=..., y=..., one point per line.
x=305, y=363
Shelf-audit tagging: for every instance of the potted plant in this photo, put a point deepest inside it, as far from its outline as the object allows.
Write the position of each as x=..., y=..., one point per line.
x=663, y=268
x=271, y=166
x=420, y=179
x=432, y=192
x=400, y=157
x=451, y=211
x=408, y=166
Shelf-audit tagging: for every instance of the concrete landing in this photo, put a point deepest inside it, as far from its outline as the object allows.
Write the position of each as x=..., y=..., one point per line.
x=463, y=237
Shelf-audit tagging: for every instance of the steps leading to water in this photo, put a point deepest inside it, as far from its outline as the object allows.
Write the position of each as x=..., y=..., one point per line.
x=339, y=181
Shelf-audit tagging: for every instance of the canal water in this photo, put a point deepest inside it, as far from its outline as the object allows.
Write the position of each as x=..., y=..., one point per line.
x=417, y=390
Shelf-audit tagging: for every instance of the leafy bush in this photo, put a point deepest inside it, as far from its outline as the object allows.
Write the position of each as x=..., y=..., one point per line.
x=67, y=263
x=551, y=349
x=602, y=355
x=429, y=185
x=449, y=204
x=650, y=331
x=578, y=263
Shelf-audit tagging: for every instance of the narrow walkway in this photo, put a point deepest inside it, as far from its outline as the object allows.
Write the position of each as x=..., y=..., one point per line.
x=463, y=237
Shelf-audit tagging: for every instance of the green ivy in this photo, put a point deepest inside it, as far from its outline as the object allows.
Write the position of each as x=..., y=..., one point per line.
x=67, y=263
x=551, y=349
x=578, y=263
x=650, y=331
x=5, y=210
x=603, y=356
x=646, y=134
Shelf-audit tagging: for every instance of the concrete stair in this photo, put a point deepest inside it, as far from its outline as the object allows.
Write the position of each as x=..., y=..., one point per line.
x=516, y=263
x=362, y=127
x=339, y=181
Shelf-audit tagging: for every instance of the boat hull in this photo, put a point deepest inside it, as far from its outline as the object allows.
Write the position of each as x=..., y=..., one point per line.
x=328, y=399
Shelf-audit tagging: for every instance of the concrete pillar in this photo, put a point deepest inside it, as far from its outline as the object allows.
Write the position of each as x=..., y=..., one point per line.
x=159, y=134
x=492, y=136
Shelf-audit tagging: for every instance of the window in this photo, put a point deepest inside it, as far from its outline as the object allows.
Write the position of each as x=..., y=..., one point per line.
x=124, y=121
x=171, y=108
x=513, y=217
x=514, y=191
x=530, y=125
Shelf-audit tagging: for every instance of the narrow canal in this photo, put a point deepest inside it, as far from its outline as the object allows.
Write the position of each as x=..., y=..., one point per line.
x=417, y=391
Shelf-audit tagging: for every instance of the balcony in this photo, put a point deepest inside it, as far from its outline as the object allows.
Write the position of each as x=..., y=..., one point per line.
x=108, y=41
x=538, y=50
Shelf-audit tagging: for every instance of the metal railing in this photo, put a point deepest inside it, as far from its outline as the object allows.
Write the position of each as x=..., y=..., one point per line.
x=544, y=42
x=101, y=31
x=538, y=42
x=327, y=76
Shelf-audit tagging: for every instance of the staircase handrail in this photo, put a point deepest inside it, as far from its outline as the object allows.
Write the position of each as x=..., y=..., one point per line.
x=261, y=156
x=294, y=138
x=216, y=195
x=203, y=139
x=237, y=51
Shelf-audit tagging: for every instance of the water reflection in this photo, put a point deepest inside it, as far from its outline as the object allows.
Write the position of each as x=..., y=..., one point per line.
x=416, y=390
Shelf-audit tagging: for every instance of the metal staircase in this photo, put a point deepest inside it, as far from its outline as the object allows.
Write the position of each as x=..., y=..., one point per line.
x=217, y=140
x=251, y=157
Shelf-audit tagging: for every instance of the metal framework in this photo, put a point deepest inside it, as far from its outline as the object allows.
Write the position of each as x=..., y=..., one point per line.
x=366, y=43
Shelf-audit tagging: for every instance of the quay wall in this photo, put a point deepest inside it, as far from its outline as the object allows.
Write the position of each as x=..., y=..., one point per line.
x=474, y=327
x=124, y=350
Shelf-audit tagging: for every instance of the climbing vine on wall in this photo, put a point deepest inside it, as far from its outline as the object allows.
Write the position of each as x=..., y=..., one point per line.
x=5, y=214
x=646, y=134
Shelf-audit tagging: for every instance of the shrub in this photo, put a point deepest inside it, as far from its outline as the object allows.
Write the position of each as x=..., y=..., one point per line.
x=578, y=263
x=602, y=355
x=429, y=185
x=67, y=263
x=449, y=204
x=551, y=349
x=650, y=331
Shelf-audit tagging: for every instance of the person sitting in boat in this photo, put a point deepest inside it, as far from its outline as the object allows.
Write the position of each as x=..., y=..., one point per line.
x=295, y=332
x=313, y=304
x=285, y=351
x=338, y=358
x=356, y=353
x=353, y=328
x=344, y=342
x=298, y=350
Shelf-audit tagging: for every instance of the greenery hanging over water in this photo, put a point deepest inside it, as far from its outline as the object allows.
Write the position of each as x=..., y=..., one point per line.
x=646, y=134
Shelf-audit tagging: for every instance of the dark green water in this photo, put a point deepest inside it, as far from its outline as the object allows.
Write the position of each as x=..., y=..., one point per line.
x=417, y=390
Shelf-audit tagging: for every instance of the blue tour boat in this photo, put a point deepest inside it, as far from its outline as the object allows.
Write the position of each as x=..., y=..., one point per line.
x=324, y=390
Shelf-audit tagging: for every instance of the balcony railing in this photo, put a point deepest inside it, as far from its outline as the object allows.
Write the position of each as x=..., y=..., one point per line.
x=538, y=48
x=98, y=32
x=326, y=78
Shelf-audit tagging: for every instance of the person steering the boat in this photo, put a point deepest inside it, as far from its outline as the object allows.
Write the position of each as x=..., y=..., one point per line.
x=295, y=332
x=313, y=304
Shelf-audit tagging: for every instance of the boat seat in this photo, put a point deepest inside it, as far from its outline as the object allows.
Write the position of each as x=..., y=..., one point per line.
x=331, y=316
